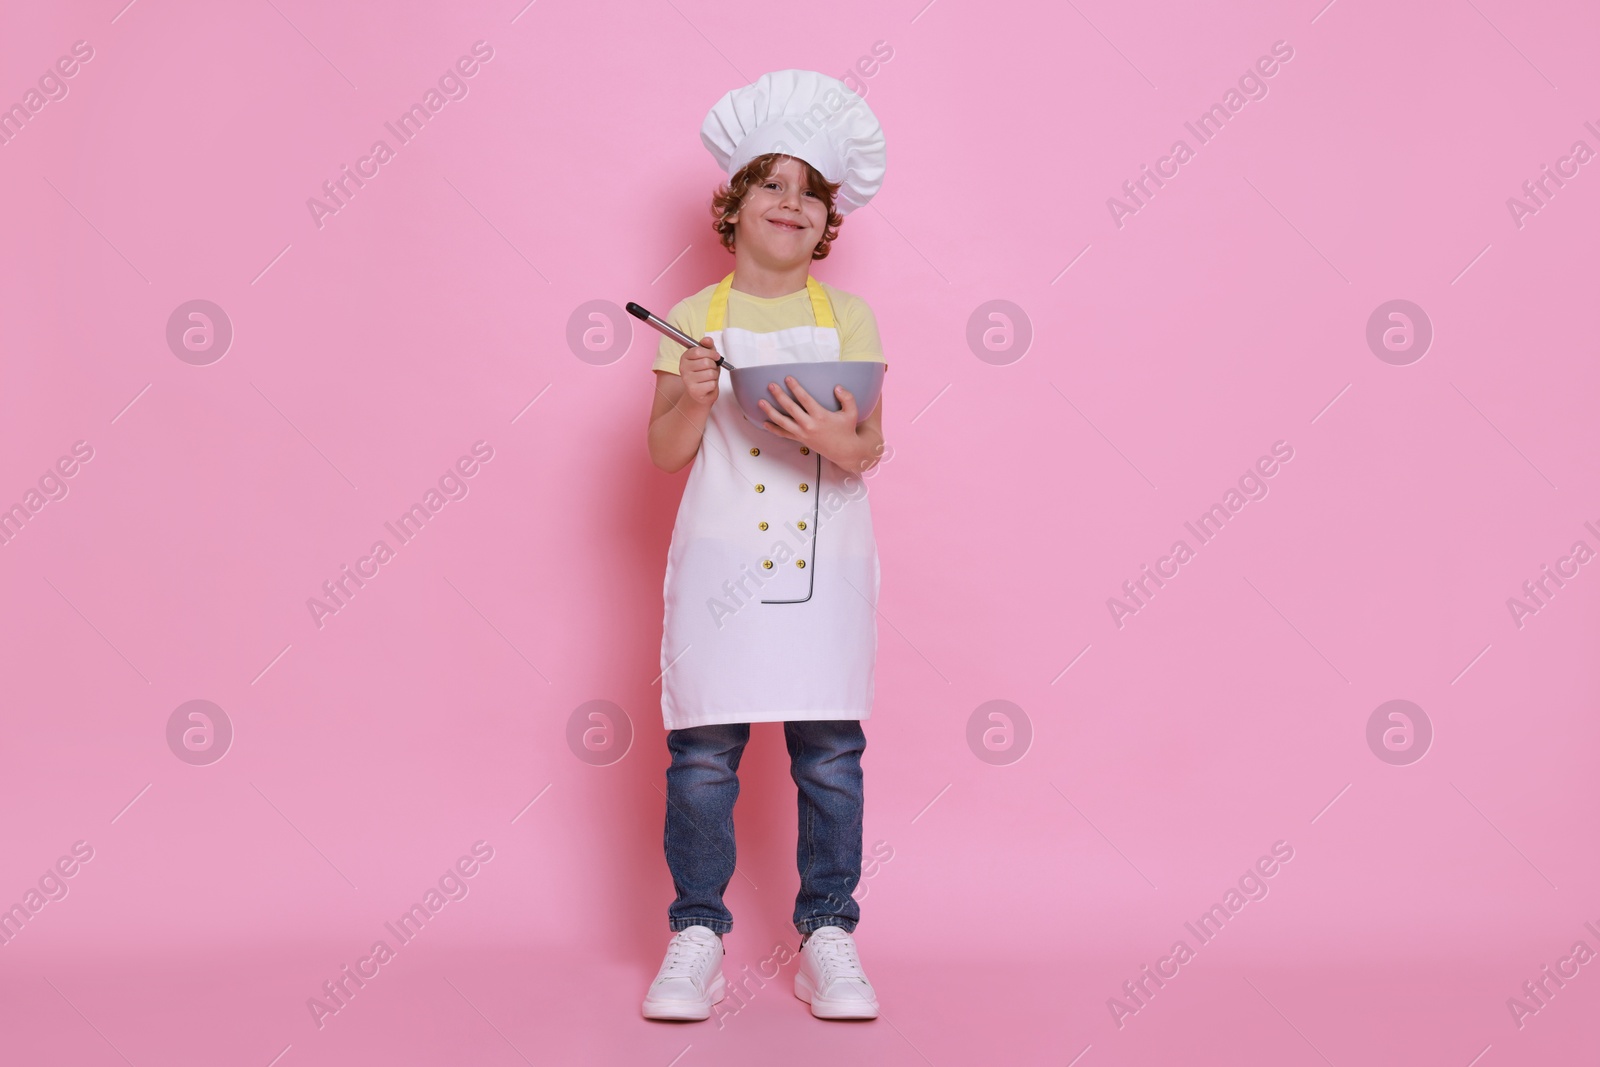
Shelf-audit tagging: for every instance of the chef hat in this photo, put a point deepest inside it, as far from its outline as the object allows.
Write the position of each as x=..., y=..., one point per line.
x=809, y=116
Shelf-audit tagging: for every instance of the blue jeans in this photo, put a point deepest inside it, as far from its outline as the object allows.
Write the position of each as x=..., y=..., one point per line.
x=703, y=783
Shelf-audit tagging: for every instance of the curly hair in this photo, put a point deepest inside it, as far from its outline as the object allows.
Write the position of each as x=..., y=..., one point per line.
x=726, y=200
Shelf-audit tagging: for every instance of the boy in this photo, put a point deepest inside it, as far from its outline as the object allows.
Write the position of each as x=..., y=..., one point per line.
x=772, y=575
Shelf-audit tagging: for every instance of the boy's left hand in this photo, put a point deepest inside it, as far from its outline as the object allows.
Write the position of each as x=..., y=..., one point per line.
x=832, y=433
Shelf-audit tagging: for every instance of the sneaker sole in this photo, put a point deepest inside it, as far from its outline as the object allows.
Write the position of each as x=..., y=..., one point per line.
x=824, y=1008
x=687, y=1010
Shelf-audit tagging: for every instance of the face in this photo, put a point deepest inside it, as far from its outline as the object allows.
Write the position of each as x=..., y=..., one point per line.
x=781, y=221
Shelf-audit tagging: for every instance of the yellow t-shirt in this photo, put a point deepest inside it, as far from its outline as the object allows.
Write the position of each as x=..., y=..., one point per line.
x=858, y=329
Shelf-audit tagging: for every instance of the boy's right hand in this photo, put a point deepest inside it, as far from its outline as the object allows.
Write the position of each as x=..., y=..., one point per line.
x=699, y=370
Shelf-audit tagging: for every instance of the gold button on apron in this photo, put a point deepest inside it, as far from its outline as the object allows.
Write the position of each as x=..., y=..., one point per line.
x=804, y=487
x=712, y=684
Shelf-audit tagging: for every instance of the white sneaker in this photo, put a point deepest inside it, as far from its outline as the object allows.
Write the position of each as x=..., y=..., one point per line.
x=690, y=979
x=830, y=978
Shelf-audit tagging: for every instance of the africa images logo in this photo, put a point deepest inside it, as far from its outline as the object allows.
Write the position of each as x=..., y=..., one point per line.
x=1252, y=485
x=452, y=885
x=452, y=485
x=452, y=85
x=1252, y=85
x=52, y=87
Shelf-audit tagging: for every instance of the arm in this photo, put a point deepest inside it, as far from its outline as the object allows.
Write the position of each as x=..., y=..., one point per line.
x=681, y=406
x=869, y=442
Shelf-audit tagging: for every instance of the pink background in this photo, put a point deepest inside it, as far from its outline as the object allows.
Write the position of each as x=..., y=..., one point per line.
x=368, y=354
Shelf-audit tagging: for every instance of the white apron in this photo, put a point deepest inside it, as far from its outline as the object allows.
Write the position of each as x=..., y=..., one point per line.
x=772, y=576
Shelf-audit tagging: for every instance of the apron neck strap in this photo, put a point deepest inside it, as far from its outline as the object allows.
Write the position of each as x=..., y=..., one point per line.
x=717, y=316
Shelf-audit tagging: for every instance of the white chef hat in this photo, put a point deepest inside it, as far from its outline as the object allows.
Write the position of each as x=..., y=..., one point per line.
x=809, y=116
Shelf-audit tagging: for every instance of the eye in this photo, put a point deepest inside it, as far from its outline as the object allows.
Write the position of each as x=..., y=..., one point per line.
x=768, y=184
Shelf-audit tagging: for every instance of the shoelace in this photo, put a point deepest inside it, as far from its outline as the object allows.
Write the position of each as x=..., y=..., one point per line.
x=684, y=957
x=838, y=959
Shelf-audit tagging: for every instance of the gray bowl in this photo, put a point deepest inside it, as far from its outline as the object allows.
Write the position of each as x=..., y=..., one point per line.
x=863, y=378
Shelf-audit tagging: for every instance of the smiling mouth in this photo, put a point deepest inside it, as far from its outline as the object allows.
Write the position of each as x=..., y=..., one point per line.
x=789, y=226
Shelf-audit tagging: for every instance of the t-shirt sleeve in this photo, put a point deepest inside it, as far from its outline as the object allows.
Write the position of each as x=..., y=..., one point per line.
x=668, y=351
x=858, y=329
